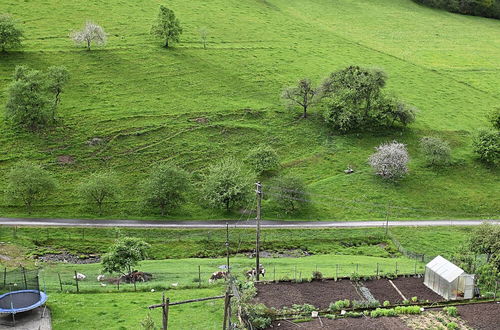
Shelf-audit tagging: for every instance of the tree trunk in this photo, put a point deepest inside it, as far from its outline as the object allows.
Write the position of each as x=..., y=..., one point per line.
x=305, y=111
x=88, y=44
x=166, y=43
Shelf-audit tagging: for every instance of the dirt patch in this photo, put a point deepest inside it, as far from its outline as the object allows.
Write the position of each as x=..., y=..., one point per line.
x=481, y=316
x=65, y=160
x=431, y=320
x=201, y=120
x=317, y=293
x=382, y=290
x=414, y=287
x=70, y=258
x=365, y=323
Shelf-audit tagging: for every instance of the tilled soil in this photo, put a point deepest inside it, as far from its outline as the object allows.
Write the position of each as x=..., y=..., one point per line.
x=365, y=323
x=382, y=290
x=414, y=287
x=317, y=293
x=481, y=316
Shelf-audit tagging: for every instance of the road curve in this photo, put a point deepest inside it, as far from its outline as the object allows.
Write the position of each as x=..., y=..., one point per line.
x=214, y=224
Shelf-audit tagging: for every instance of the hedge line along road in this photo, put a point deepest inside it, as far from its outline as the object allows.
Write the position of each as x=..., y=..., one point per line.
x=233, y=223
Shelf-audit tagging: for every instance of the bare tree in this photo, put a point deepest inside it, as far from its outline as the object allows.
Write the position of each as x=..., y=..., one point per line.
x=91, y=32
x=302, y=95
x=203, y=36
x=391, y=160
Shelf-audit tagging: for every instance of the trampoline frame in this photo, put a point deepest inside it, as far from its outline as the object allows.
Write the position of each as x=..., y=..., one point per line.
x=40, y=302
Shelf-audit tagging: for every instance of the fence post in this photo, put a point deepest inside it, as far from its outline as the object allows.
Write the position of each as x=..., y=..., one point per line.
x=24, y=276
x=60, y=282
x=377, y=269
x=396, y=268
x=76, y=281
x=5, y=276
x=164, y=308
x=226, y=305
x=199, y=276
x=415, y=267
x=274, y=273
x=337, y=272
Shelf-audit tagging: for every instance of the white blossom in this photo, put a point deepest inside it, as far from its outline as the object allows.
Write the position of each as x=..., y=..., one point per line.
x=91, y=32
x=391, y=160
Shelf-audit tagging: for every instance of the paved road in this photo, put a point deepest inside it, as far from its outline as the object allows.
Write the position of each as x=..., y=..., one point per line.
x=232, y=223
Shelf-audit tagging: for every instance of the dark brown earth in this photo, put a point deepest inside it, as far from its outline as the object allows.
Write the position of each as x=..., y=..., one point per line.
x=365, y=323
x=317, y=293
x=414, y=287
x=481, y=316
x=70, y=258
x=382, y=290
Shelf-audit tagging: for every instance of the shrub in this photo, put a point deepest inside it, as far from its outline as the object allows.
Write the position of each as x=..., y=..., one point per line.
x=452, y=326
x=263, y=159
x=390, y=276
x=339, y=305
x=258, y=315
x=390, y=160
x=317, y=276
x=495, y=118
x=435, y=150
x=355, y=277
x=487, y=146
x=451, y=311
x=289, y=194
x=10, y=34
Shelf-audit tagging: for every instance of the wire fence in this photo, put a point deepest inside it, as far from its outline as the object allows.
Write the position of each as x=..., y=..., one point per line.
x=69, y=280
x=410, y=254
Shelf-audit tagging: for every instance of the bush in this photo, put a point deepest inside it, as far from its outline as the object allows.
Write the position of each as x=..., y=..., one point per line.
x=339, y=305
x=317, y=276
x=258, y=315
x=289, y=194
x=487, y=146
x=390, y=160
x=495, y=118
x=451, y=311
x=355, y=277
x=488, y=8
x=435, y=150
x=10, y=34
x=263, y=159
x=452, y=325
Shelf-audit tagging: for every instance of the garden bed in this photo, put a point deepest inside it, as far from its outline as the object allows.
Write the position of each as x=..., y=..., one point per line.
x=382, y=323
x=485, y=316
x=414, y=287
x=382, y=290
x=317, y=293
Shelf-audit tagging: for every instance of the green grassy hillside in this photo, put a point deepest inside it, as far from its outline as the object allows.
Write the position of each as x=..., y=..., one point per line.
x=144, y=100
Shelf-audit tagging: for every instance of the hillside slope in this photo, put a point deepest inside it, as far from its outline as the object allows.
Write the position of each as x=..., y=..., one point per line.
x=191, y=106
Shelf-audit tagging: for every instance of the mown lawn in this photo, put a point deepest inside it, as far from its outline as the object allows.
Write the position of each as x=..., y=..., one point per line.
x=128, y=310
x=143, y=100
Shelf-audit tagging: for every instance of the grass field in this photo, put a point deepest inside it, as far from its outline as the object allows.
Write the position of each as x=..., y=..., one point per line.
x=143, y=100
x=127, y=310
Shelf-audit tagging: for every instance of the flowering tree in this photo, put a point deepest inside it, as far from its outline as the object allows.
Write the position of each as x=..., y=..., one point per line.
x=391, y=160
x=91, y=32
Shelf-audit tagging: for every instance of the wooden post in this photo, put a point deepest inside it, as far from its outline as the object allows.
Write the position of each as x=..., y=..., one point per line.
x=377, y=269
x=257, y=240
x=24, y=276
x=199, y=276
x=337, y=272
x=227, y=248
x=295, y=273
x=164, y=308
x=5, y=277
x=274, y=273
x=226, y=306
x=415, y=267
x=396, y=268
x=76, y=281
x=60, y=282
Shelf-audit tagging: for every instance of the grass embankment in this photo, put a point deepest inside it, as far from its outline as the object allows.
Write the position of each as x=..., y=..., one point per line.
x=143, y=100
x=127, y=310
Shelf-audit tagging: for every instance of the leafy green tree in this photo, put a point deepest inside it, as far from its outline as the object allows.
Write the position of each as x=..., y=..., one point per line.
x=57, y=78
x=165, y=187
x=124, y=255
x=487, y=146
x=167, y=26
x=289, y=194
x=303, y=95
x=487, y=275
x=495, y=118
x=28, y=105
x=263, y=159
x=10, y=34
x=484, y=239
x=30, y=184
x=99, y=188
x=226, y=184
x=435, y=150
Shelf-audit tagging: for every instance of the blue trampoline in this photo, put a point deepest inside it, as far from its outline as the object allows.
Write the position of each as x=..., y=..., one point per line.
x=21, y=301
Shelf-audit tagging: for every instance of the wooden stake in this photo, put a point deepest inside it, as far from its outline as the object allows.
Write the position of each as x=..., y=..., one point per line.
x=60, y=282
x=76, y=281
x=164, y=307
x=257, y=240
x=24, y=276
x=226, y=306
x=5, y=276
x=199, y=276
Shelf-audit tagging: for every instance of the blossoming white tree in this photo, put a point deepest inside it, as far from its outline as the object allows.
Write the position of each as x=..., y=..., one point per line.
x=391, y=160
x=91, y=32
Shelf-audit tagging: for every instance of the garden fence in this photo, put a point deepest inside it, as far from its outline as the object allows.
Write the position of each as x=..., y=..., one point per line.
x=410, y=254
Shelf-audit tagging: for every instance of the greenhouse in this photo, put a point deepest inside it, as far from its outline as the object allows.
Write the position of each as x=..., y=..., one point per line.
x=448, y=280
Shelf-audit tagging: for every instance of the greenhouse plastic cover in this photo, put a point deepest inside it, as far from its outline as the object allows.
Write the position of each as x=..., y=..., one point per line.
x=445, y=269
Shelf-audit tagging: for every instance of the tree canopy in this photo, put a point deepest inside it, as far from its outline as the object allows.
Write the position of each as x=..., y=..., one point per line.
x=124, y=255
x=90, y=33
x=98, y=188
x=302, y=95
x=167, y=26
x=10, y=34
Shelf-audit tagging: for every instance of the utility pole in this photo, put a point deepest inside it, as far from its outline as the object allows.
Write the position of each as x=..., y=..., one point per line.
x=257, y=241
x=387, y=219
x=227, y=247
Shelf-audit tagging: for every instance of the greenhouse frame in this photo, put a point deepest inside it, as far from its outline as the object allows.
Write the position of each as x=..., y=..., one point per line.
x=448, y=280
